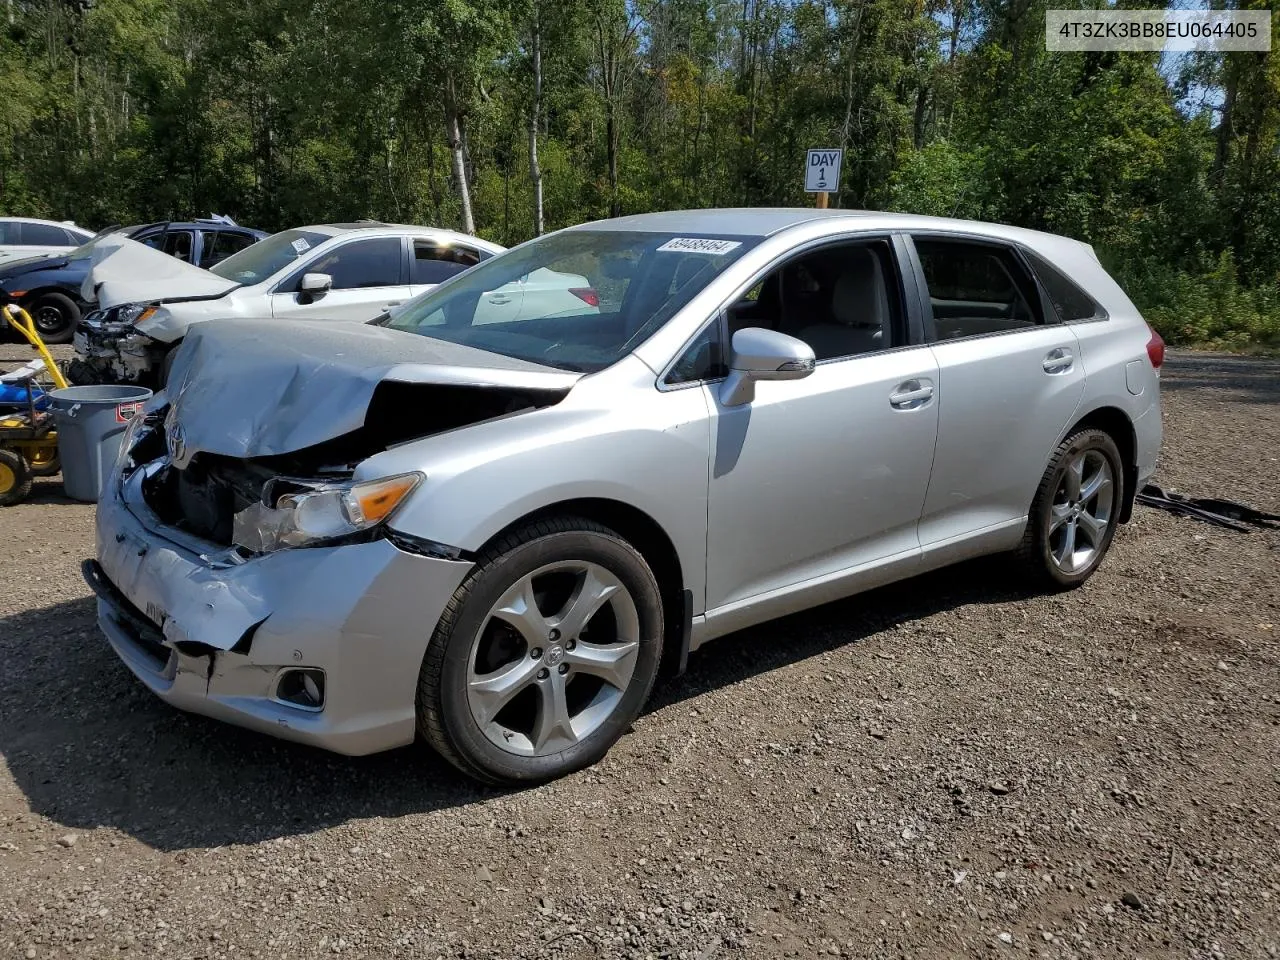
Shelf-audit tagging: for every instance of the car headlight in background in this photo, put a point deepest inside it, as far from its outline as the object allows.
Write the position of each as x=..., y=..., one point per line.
x=321, y=515
x=131, y=312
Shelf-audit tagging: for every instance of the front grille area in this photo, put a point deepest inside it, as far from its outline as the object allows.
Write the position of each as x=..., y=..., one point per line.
x=204, y=498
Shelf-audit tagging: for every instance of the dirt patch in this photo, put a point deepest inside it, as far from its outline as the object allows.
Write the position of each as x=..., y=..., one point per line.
x=946, y=767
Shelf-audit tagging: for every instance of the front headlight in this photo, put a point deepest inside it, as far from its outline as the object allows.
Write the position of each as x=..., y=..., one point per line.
x=321, y=515
x=131, y=312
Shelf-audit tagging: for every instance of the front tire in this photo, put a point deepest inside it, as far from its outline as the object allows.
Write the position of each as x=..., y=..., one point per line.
x=55, y=317
x=1075, y=512
x=544, y=656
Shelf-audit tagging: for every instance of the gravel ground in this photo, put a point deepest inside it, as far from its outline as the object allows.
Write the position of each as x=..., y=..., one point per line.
x=948, y=767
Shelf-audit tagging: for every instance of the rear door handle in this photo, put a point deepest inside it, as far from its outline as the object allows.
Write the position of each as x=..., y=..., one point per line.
x=393, y=303
x=500, y=299
x=911, y=395
x=1058, y=360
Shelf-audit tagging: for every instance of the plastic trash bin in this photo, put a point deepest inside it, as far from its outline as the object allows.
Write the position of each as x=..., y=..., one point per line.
x=90, y=422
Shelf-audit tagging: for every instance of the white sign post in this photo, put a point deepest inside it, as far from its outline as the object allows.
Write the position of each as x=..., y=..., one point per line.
x=822, y=174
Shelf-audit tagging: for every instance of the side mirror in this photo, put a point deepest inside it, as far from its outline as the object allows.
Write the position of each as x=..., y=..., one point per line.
x=315, y=285
x=760, y=354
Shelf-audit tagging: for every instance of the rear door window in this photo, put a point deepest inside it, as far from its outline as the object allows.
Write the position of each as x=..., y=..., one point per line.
x=218, y=245
x=176, y=243
x=977, y=288
x=436, y=262
x=41, y=235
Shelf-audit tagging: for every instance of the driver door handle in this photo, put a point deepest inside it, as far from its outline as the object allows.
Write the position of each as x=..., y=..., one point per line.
x=499, y=299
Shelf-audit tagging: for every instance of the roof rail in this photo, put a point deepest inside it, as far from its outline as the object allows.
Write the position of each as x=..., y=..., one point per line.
x=217, y=218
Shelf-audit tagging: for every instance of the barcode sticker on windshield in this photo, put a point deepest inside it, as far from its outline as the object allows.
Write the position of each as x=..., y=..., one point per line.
x=301, y=245
x=696, y=245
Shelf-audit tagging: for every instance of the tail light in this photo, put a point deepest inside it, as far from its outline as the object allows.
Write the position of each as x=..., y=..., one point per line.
x=1155, y=349
x=587, y=295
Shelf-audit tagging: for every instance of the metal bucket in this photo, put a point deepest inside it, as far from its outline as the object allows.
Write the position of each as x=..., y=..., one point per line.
x=91, y=421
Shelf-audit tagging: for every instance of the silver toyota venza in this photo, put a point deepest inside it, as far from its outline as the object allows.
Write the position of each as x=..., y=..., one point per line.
x=488, y=520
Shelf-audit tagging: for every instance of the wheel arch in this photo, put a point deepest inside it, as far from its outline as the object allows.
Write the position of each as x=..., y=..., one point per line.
x=1116, y=424
x=653, y=543
x=35, y=293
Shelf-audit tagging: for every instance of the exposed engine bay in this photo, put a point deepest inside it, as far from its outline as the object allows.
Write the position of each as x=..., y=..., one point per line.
x=251, y=502
x=112, y=351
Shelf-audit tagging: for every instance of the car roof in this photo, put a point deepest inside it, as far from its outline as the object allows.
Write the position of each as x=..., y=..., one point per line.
x=766, y=221
x=197, y=224
x=404, y=229
x=51, y=223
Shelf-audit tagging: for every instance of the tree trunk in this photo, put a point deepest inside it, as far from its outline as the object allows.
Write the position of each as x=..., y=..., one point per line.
x=609, y=79
x=1226, y=121
x=917, y=126
x=535, y=172
x=453, y=135
x=611, y=133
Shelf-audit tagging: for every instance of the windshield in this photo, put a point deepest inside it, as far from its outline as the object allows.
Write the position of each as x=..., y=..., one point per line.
x=578, y=300
x=268, y=257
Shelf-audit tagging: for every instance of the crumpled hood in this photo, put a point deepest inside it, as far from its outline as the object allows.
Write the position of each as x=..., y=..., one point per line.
x=248, y=388
x=125, y=271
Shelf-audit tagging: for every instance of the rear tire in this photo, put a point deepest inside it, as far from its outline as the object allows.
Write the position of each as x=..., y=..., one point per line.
x=15, y=478
x=55, y=317
x=1075, y=512
x=544, y=656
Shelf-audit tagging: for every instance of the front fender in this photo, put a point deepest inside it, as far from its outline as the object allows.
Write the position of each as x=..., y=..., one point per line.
x=641, y=447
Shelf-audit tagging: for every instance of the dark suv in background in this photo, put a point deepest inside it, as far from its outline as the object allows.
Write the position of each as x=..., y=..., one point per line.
x=49, y=287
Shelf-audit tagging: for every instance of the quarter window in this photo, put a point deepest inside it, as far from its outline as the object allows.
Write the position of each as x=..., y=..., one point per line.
x=364, y=263
x=977, y=288
x=702, y=360
x=1069, y=301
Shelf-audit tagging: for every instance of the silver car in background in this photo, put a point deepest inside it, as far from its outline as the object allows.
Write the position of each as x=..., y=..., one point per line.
x=492, y=535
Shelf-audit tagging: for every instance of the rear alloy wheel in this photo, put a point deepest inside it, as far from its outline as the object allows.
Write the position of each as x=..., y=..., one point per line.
x=55, y=317
x=545, y=655
x=1076, y=510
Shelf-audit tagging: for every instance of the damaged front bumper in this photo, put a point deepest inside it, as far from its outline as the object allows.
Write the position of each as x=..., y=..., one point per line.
x=217, y=634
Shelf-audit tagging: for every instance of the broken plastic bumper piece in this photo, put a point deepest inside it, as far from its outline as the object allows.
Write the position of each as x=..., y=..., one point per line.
x=256, y=643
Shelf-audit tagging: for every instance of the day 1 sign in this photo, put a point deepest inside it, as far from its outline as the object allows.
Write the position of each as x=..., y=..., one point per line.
x=822, y=171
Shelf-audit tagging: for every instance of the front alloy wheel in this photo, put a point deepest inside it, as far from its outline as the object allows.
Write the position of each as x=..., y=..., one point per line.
x=554, y=658
x=544, y=656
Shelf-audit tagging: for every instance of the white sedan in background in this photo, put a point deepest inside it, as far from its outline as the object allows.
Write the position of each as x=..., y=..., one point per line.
x=352, y=272
x=23, y=237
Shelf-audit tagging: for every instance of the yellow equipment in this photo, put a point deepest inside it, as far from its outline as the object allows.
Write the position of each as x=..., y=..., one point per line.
x=28, y=440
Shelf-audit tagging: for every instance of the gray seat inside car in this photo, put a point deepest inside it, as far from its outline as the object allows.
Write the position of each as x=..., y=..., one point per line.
x=859, y=312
